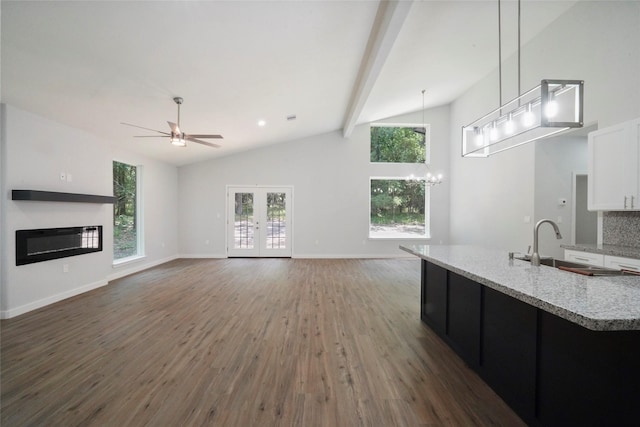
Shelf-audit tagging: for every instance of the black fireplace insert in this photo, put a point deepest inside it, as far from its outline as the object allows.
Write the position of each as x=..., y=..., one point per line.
x=53, y=243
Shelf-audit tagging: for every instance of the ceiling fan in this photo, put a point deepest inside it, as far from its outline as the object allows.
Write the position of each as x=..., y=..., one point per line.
x=178, y=137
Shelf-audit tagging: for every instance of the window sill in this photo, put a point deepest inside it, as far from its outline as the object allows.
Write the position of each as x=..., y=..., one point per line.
x=128, y=260
x=400, y=238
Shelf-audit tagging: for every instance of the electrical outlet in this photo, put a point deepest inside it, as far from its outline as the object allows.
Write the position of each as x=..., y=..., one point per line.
x=69, y=177
x=65, y=268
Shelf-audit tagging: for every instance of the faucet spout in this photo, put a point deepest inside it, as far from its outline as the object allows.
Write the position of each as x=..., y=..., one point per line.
x=535, y=257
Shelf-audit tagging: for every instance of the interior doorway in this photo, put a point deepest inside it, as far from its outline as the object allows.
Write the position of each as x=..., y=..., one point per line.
x=259, y=221
x=585, y=222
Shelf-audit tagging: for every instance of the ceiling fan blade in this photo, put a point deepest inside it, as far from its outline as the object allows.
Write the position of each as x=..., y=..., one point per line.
x=192, y=139
x=140, y=127
x=205, y=136
x=174, y=128
x=151, y=136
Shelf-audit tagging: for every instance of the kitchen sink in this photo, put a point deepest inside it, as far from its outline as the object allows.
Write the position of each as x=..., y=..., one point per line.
x=576, y=267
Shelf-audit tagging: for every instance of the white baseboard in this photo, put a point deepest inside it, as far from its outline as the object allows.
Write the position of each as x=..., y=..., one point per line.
x=133, y=267
x=353, y=256
x=399, y=254
x=7, y=314
x=212, y=256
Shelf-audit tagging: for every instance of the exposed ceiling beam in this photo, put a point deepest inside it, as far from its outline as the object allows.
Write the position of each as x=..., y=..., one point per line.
x=388, y=23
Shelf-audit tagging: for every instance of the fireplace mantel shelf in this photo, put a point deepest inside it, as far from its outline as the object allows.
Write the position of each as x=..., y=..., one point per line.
x=53, y=196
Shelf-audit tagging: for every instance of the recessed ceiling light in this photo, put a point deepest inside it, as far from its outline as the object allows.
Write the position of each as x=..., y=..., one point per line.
x=261, y=123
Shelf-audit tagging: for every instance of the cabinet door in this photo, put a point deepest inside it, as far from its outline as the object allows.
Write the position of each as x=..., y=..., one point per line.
x=463, y=330
x=608, y=168
x=584, y=257
x=587, y=378
x=434, y=297
x=509, y=346
x=614, y=167
x=621, y=263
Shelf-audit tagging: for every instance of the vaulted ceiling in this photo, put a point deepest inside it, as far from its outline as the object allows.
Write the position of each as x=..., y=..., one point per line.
x=332, y=64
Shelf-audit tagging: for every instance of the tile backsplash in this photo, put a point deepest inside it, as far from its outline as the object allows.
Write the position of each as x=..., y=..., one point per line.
x=621, y=228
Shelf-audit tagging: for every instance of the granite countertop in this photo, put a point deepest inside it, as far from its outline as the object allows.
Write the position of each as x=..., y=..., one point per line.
x=614, y=250
x=609, y=303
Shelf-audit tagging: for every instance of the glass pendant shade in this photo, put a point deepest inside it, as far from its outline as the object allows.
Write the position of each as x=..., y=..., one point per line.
x=549, y=108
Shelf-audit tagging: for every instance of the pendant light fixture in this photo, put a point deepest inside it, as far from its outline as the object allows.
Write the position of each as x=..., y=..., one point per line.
x=549, y=108
x=430, y=179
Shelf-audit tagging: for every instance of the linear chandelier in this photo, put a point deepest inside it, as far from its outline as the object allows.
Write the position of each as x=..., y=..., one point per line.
x=549, y=108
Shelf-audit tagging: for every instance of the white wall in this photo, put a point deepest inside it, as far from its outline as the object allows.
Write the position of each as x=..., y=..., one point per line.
x=557, y=159
x=34, y=152
x=330, y=176
x=593, y=41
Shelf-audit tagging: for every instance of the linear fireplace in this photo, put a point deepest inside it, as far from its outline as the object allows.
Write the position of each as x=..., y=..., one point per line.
x=52, y=243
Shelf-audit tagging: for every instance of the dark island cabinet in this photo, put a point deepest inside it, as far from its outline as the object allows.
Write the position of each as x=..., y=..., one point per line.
x=450, y=305
x=587, y=378
x=463, y=316
x=550, y=371
x=509, y=335
x=434, y=297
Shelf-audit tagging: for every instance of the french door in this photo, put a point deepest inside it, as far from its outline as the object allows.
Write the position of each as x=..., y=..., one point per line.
x=259, y=221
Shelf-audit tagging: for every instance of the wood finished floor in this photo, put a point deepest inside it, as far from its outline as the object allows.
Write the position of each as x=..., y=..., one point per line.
x=242, y=342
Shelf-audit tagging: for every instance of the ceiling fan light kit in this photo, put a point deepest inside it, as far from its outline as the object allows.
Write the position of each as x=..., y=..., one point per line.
x=176, y=136
x=177, y=140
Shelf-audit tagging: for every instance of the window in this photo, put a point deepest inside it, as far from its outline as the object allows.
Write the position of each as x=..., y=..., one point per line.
x=398, y=206
x=126, y=213
x=395, y=144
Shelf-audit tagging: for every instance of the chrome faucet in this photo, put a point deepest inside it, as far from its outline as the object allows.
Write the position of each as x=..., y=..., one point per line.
x=535, y=257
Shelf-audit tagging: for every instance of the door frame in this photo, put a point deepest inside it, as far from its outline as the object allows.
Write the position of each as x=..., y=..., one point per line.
x=290, y=204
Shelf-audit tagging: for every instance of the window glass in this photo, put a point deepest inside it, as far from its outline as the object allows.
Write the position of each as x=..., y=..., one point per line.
x=393, y=144
x=397, y=208
x=125, y=211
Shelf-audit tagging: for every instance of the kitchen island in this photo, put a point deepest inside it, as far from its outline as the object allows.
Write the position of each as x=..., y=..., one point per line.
x=558, y=347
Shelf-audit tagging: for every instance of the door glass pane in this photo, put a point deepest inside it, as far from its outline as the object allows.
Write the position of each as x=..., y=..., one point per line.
x=276, y=225
x=243, y=221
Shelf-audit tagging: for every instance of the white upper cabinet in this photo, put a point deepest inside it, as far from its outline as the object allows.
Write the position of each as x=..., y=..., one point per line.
x=614, y=168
